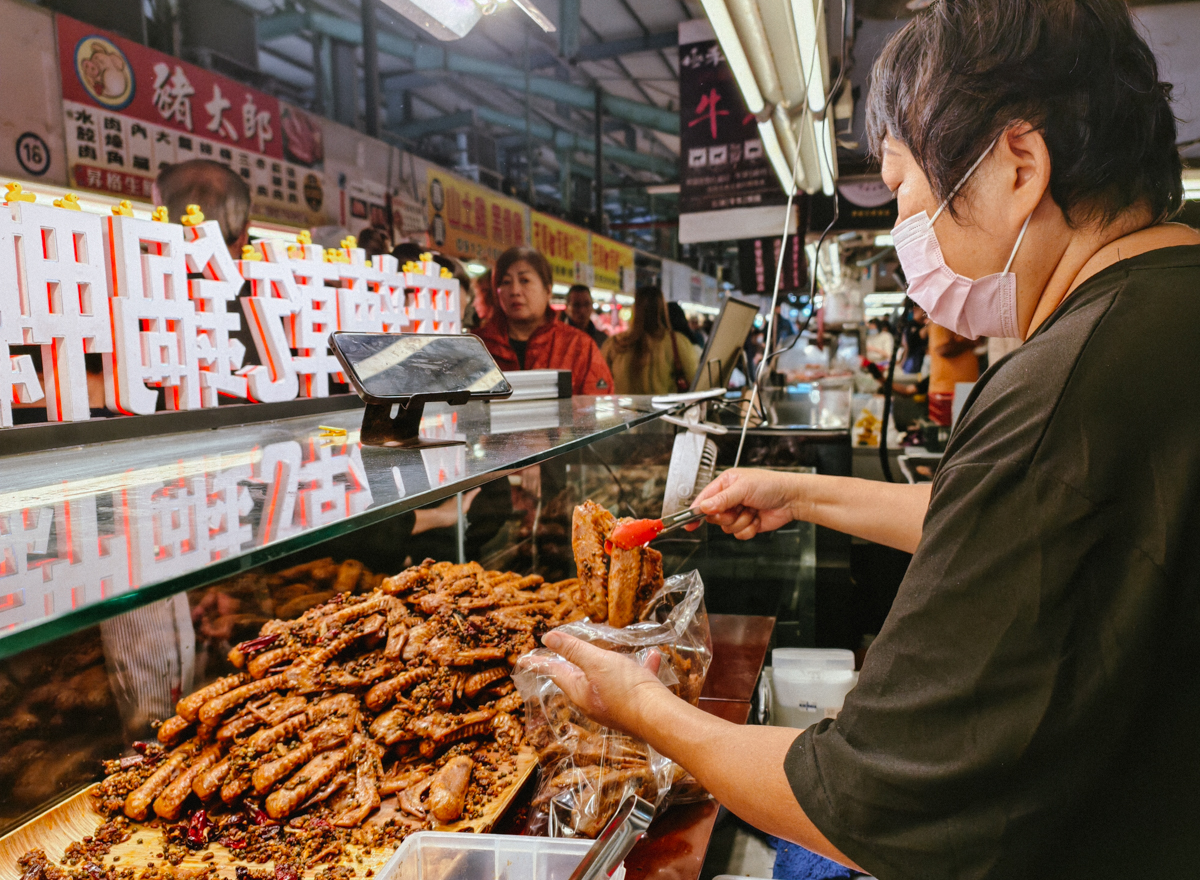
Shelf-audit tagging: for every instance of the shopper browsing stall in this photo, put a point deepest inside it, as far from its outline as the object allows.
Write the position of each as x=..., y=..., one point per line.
x=523, y=335
x=1030, y=707
x=579, y=312
x=650, y=357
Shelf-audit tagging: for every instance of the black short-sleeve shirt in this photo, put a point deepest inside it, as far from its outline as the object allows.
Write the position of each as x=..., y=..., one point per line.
x=1032, y=705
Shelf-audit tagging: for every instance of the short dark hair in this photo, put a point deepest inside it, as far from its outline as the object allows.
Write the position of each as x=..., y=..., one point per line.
x=539, y=264
x=219, y=191
x=411, y=252
x=580, y=288
x=962, y=71
x=374, y=241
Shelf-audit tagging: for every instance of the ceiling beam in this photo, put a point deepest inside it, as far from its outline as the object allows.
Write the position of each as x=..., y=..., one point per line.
x=434, y=125
x=540, y=131
x=617, y=48
x=427, y=57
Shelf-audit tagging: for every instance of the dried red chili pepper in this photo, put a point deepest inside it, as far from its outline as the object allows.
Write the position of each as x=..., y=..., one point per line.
x=198, y=829
x=259, y=817
x=258, y=645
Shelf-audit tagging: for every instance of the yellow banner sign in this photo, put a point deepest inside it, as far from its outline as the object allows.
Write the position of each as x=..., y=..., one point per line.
x=565, y=246
x=470, y=221
x=613, y=264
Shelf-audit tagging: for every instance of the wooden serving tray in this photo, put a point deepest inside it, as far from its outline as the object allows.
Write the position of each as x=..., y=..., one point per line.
x=74, y=819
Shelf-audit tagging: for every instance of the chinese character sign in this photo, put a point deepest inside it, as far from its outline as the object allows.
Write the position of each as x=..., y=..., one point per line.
x=564, y=245
x=65, y=549
x=723, y=164
x=171, y=331
x=470, y=221
x=613, y=263
x=155, y=299
x=53, y=293
x=300, y=295
x=130, y=111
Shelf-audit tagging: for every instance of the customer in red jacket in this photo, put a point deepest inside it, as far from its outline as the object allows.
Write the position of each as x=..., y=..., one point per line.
x=523, y=334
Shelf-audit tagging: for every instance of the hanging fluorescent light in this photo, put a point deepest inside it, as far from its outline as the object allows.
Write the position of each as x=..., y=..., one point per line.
x=777, y=52
x=453, y=19
x=1191, y=184
x=780, y=162
x=536, y=14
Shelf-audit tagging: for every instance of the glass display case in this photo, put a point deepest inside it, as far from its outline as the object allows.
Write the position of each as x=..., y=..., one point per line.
x=130, y=567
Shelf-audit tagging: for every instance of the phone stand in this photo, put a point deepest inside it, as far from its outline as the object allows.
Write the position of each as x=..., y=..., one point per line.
x=397, y=426
x=401, y=372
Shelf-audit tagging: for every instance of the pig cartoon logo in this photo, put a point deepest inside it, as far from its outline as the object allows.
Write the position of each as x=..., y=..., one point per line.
x=104, y=71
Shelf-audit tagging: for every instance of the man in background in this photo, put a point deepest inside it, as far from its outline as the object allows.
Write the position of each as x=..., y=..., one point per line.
x=579, y=313
x=221, y=194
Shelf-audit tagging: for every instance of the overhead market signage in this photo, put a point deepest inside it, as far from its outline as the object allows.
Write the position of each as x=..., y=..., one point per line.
x=470, y=221
x=566, y=247
x=613, y=264
x=727, y=188
x=131, y=111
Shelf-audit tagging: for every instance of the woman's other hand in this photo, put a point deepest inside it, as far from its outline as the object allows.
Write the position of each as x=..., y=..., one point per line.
x=746, y=501
x=608, y=687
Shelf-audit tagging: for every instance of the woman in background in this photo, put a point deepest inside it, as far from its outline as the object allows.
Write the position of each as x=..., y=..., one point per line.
x=375, y=242
x=483, y=300
x=650, y=357
x=523, y=335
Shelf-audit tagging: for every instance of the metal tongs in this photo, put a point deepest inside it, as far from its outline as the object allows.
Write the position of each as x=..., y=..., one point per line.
x=627, y=826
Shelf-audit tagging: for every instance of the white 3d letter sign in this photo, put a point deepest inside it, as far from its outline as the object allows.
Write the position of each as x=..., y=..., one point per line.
x=156, y=300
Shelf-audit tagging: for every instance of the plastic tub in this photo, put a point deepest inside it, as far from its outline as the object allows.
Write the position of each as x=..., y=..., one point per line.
x=436, y=855
x=812, y=658
x=802, y=697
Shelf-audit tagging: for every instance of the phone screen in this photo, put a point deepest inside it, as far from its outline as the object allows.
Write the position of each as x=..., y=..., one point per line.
x=389, y=365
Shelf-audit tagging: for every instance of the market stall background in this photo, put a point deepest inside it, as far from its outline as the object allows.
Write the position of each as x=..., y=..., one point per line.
x=112, y=113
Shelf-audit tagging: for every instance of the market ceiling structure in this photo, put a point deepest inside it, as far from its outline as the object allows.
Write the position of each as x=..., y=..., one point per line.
x=524, y=89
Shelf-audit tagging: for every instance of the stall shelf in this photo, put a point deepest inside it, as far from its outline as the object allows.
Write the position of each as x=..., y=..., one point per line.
x=96, y=530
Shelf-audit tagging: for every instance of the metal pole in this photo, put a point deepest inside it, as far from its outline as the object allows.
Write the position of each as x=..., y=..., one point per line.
x=598, y=221
x=320, y=74
x=370, y=68
x=528, y=126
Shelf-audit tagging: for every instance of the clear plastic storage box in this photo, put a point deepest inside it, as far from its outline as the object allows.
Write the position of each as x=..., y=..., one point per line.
x=435, y=855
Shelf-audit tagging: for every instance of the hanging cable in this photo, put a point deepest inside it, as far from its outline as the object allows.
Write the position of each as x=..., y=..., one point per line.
x=889, y=390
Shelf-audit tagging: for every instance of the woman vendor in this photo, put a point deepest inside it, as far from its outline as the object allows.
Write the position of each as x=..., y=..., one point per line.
x=1031, y=707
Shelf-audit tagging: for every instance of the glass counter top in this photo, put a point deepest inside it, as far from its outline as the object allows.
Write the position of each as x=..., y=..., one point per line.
x=89, y=532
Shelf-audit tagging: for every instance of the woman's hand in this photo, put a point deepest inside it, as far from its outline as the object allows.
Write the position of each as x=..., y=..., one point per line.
x=746, y=501
x=610, y=688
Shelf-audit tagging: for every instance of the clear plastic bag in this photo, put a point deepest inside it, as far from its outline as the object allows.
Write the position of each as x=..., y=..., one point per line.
x=587, y=769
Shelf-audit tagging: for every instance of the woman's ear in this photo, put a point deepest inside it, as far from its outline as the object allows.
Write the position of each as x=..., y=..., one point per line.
x=1025, y=160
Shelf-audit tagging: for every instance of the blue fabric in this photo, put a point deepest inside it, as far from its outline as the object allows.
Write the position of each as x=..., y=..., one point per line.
x=794, y=862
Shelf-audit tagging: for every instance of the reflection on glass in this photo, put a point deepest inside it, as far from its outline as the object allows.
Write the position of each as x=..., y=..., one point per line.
x=104, y=537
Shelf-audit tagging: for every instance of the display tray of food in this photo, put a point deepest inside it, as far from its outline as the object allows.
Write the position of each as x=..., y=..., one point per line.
x=369, y=717
x=366, y=718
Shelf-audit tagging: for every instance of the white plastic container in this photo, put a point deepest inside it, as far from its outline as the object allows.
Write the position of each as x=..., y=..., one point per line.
x=812, y=658
x=805, y=685
x=436, y=855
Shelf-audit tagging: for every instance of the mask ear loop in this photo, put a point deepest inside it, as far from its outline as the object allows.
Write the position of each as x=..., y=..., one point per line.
x=966, y=177
x=1017, y=246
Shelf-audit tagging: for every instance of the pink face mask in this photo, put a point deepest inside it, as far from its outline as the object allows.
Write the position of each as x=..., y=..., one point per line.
x=971, y=308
